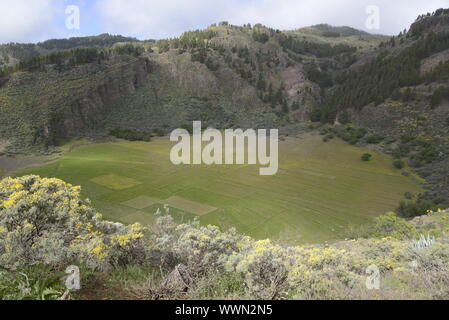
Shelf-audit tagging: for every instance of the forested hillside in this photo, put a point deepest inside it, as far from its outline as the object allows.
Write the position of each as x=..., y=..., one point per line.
x=226, y=75
x=400, y=95
x=12, y=53
x=369, y=89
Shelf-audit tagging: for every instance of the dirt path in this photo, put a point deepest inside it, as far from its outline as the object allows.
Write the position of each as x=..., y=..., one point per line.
x=9, y=165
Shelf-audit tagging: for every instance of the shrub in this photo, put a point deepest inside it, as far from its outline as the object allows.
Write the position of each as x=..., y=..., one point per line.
x=367, y=157
x=265, y=268
x=399, y=164
x=427, y=154
x=201, y=249
x=322, y=273
x=414, y=209
x=187, y=127
x=261, y=37
x=159, y=132
x=351, y=134
x=408, y=195
x=44, y=221
x=401, y=151
x=390, y=224
x=32, y=283
x=225, y=285
x=439, y=95
x=431, y=266
x=211, y=65
x=331, y=34
x=374, y=139
x=328, y=137
x=315, y=115
x=344, y=117
x=407, y=139
x=130, y=135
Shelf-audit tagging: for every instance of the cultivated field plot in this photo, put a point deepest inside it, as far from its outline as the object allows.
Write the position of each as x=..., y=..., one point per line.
x=141, y=202
x=189, y=206
x=320, y=189
x=115, y=182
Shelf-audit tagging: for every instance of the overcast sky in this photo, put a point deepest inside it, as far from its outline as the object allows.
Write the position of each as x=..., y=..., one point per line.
x=37, y=20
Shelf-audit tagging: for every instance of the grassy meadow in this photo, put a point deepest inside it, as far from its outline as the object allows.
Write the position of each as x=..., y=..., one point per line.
x=319, y=190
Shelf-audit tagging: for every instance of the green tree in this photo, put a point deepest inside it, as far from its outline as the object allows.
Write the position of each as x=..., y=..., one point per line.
x=367, y=157
x=399, y=164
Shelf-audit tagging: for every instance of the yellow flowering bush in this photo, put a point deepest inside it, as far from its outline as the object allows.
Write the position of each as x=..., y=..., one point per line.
x=386, y=253
x=44, y=221
x=202, y=249
x=390, y=224
x=264, y=266
x=322, y=272
x=128, y=245
x=272, y=271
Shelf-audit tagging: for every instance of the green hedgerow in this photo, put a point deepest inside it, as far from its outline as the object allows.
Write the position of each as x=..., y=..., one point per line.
x=367, y=157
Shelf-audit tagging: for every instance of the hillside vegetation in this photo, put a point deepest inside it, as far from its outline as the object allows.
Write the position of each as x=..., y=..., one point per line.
x=226, y=76
x=399, y=95
x=13, y=53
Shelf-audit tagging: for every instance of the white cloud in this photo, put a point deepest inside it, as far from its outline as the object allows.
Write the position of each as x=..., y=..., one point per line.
x=150, y=18
x=25, y=20
x=36, y=20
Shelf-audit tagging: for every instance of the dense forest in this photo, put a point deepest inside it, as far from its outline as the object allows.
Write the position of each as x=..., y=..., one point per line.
x=103, y=40
x=71, y=58
x=379, y=79
x=12, y=52
x=317, y=49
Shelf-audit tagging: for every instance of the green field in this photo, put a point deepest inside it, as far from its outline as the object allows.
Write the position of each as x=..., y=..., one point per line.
x=320, y=187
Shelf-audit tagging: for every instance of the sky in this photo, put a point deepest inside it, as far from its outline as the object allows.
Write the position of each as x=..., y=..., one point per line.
x=39, y=20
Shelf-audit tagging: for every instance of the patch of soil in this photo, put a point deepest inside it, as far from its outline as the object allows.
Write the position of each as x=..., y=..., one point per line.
x=11, y=164
x=431, y=62
x=99, y=289
x=3, y=145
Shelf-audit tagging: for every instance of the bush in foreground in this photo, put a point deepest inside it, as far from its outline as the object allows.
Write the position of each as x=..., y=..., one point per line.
x=44, y=221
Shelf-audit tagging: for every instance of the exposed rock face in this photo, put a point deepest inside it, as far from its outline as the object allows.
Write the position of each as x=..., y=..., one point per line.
x=57, y=104
x=431, y=62
x=430, y=24
x=179, y=279
x=3, y=145
x=88, y=112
